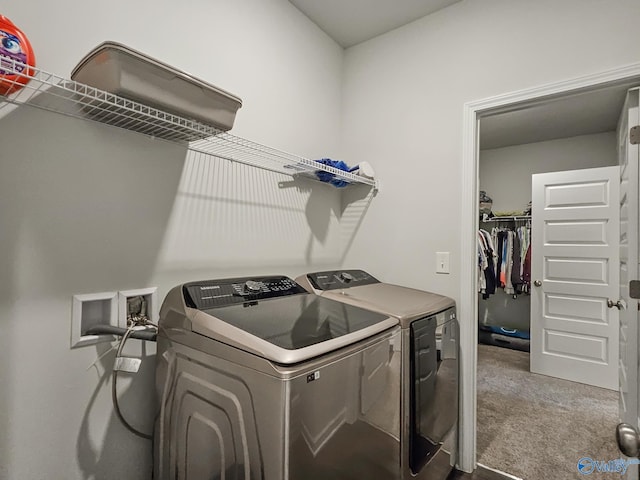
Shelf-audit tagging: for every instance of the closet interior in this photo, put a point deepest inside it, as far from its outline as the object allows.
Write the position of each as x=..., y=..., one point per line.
x=505, y=172
x=504, y=281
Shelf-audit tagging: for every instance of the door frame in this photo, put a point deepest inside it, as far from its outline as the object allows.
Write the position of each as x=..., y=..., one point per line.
x=468, y=304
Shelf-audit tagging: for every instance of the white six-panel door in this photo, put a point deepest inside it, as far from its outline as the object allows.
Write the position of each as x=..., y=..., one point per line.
x=574, y=271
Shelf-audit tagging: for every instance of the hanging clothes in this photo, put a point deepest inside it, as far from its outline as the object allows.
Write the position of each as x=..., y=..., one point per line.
x=526, y=271
x=516, y=268
x=508, y=263
x=524, y=234
x=502, y=260
x=486, y=264
x=498, y=238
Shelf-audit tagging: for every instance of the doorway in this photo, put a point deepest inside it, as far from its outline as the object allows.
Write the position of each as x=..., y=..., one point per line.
x=521, y=103
x=517, y=407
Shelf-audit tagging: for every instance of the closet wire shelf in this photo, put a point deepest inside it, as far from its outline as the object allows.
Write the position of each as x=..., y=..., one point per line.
x=53, y=93
x=505, y=218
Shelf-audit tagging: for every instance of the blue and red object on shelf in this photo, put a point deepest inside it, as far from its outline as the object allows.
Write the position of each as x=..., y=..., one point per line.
x=14, y=47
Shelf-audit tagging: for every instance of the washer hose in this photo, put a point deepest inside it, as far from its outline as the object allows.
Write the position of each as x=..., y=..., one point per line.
x=114, y=393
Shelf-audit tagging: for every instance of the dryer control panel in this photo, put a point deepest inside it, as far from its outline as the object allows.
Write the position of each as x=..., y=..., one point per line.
x=220, y=293
x=334, y=280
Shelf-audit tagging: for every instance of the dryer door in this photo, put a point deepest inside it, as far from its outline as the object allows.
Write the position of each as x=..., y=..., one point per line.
x=434, y=388
x=424, y=365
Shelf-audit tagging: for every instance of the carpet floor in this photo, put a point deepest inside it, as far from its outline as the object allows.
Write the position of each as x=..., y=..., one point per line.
x=538, y=427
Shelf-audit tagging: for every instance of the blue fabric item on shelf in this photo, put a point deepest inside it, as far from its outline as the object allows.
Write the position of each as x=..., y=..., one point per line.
x=330, y=177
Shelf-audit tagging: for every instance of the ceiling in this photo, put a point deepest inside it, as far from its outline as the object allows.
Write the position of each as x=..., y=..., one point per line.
x=585, y=113
x=350, y=22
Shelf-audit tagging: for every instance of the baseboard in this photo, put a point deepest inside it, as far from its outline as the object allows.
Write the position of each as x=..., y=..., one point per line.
x=499, y=472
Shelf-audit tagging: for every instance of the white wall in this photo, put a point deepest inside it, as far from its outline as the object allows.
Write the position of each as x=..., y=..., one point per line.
x=505, y=173
x=87, y=208
x=403, y=109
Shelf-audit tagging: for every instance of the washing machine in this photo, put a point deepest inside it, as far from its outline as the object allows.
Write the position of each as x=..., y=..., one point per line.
x=259, y=379
x=427, y=361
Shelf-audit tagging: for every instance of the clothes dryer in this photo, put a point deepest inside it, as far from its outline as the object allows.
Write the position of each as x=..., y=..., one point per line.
x=258, y=379
x=428, y=354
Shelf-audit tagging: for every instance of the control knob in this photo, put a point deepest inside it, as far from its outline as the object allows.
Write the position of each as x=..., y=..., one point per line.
x=252, y=287
x=346, y=277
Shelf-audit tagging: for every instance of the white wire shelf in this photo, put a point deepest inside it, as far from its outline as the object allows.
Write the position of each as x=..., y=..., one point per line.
x=506, y=218
x=53, y=93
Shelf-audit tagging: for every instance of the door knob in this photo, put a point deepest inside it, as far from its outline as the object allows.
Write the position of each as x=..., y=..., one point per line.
x=619, y=305
x=537, y=283
x=628, y=440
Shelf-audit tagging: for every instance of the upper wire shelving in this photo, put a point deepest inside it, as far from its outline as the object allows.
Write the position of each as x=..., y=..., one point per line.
x=506, y=218
x=51, y=92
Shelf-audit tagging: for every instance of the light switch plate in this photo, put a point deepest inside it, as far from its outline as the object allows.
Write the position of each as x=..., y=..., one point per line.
x=442, y=262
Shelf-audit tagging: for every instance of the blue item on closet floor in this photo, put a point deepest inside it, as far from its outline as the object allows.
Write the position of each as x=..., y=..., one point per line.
x=489, y=336
x=509, y=332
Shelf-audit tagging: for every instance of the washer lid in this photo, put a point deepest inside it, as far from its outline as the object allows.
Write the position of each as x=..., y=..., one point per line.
x=288, y=328
x=406, y=304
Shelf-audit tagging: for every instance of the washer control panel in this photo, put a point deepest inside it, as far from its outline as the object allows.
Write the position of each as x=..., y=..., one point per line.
x=219, y=293
x=334, y=280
